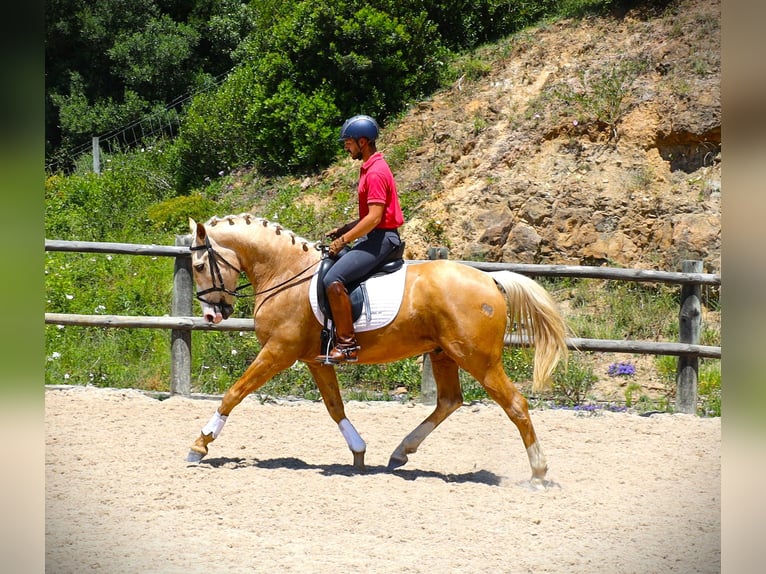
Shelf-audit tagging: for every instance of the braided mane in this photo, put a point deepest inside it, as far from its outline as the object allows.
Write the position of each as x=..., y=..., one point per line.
x=249, y=219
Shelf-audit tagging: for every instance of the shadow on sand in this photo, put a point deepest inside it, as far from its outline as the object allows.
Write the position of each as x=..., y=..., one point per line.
x=291, y=463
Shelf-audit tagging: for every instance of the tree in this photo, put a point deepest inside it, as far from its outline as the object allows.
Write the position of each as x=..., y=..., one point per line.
x=280, y=111
x=111, y=61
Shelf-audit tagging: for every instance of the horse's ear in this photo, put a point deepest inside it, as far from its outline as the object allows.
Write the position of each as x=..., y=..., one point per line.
x=197, y=229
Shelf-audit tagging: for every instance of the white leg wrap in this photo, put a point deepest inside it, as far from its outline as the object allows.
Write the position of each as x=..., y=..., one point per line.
x=354, y=441
x=215, y=424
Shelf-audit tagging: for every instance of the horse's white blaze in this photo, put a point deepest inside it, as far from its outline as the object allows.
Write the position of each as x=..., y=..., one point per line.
x=354, y=441
x=215, y=424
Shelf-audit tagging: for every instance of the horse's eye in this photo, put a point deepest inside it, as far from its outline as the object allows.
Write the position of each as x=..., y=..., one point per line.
x=199, y=267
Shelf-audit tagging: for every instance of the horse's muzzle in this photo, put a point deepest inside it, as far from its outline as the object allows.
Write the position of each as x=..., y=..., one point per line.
x=226, y=310
x=217, y=312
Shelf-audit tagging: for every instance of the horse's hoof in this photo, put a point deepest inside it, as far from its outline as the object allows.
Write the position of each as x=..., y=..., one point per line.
x=538, y=484
x=395, y=462
x=194, y=456
x=359, y=461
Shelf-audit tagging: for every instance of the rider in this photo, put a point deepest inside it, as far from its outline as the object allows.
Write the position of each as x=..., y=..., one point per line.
x=376, y=230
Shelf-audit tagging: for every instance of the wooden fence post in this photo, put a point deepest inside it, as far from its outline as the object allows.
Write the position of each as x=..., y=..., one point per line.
x=690, y=320
x=180, y=339
x=428, y=383
x=96, y=155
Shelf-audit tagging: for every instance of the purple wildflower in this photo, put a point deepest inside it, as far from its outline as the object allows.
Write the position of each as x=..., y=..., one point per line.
x=621, y=370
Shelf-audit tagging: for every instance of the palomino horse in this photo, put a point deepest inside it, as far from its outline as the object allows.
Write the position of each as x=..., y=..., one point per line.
x=457, y=314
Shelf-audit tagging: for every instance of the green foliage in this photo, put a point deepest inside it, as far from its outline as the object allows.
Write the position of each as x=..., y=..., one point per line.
x=637, y=399
x=581, y=8
x=572, y=384
x=603, y=96
x=466, y=24
x=280, y=109
x=85, y=356
x=286, y=208
x=293, y=130
x=172, y=215
x=81, y=118
x=708, y=384
x=85, y=284
x=111, y=206
x=107, y=62
x=620, y=309
x=709, y=388
x=153, y=57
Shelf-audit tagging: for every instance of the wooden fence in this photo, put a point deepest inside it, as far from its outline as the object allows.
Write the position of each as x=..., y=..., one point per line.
x=182, y=322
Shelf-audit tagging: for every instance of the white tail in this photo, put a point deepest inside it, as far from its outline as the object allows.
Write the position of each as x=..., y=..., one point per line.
x=533, y=313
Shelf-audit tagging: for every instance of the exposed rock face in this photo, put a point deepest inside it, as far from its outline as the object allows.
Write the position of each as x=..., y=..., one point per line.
x=590, y=142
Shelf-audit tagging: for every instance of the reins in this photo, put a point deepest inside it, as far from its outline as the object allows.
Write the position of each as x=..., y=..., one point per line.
x=215, y=273
x=286, y=281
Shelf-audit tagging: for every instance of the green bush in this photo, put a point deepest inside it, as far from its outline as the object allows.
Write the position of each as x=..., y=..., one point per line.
x=603, y=96
x=280, y=110
x=172, y=215
x=111, y=206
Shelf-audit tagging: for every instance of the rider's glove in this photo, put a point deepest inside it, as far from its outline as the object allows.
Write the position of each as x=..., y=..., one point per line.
x=337, y=245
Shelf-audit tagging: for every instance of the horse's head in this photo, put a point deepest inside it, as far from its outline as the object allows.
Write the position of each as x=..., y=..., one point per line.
x=216, y=273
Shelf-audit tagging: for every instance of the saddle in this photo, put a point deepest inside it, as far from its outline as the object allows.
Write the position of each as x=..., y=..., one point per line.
x=358, y=295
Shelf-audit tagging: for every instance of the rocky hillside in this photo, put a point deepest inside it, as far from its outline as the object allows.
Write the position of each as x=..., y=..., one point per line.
x=584, y=142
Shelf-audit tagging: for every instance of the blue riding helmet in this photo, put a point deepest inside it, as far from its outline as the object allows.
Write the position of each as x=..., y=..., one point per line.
x=359, y=127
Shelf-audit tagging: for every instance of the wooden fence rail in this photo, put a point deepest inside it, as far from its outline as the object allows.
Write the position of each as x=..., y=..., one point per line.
x=181, y=323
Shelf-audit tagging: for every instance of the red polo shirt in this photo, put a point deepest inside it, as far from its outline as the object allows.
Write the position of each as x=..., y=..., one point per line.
x=377, y=185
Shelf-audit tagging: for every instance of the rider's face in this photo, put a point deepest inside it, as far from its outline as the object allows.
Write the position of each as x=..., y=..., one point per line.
x=352, y=147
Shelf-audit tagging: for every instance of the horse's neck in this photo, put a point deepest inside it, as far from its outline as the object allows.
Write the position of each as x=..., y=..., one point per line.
x=269, y=258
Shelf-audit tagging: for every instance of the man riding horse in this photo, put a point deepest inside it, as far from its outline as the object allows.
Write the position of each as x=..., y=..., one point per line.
x=375, y=232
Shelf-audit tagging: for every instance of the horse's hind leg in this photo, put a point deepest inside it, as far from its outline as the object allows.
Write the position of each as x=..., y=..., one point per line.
x=505, y=394
x=327, y=382
x=449, y=398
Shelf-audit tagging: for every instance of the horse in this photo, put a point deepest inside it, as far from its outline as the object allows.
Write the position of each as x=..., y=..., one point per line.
x=456, y=314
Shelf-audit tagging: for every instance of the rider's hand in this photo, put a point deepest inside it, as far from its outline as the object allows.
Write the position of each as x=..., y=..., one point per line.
x=336, y=246
x=339, y=231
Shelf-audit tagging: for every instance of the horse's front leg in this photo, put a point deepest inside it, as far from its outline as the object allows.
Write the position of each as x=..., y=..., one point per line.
x=327, y=382
x=263, y=368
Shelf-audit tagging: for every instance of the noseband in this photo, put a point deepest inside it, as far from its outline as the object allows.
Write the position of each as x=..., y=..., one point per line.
x=215, y=274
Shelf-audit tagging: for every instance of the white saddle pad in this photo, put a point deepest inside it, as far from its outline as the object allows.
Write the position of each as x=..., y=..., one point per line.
x=384, y=293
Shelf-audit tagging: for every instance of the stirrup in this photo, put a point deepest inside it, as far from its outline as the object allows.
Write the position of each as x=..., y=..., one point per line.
x=346, y=352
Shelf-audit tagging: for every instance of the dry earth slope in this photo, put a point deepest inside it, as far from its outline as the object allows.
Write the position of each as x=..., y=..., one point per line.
x=588, y=142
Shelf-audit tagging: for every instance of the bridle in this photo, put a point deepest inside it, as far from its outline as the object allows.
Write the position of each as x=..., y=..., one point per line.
x=220, y=287
x=215, y=274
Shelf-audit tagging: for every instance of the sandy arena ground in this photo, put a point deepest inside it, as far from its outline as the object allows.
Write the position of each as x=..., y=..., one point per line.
x=278, y=492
